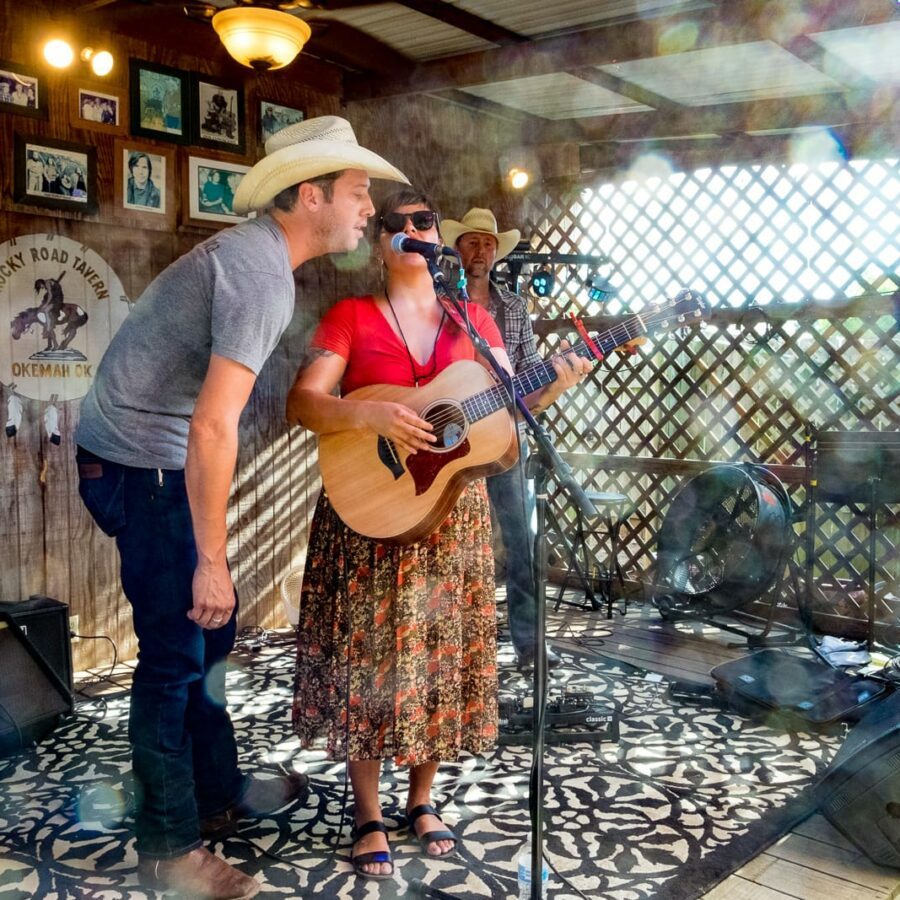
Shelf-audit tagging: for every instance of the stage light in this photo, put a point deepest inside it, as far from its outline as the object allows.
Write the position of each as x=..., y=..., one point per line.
x=58, y=53
x=542, y=282
x=599, y=288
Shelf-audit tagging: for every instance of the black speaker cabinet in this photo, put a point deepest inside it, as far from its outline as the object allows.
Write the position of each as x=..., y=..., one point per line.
x=35, y=670
x=860, y=792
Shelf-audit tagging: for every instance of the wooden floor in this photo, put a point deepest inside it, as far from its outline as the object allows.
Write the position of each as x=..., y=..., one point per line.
x=813, y=862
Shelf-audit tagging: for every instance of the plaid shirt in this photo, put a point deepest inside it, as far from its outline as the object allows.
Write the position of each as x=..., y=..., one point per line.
x=511, y=315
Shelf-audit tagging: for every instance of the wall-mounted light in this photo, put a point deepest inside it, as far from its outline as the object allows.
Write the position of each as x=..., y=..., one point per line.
x=519, y=168
x=101, y=61
x=518, y=178
x=59, y=53
x=542, y=282
x=259, y=38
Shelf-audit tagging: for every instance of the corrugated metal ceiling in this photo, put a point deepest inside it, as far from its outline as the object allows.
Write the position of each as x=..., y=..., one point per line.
x=544, y=18
x=411, y=33
x=423, y=38
x=556, y=96
x=741, y=72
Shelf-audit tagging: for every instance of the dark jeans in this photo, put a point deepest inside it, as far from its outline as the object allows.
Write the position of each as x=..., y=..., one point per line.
x=515, y=520
x=183, y=747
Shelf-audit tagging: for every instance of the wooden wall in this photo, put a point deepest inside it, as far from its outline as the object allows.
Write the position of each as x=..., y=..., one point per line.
x=48, y=543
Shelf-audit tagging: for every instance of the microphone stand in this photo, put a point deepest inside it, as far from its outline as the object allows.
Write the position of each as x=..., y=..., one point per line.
x=547, y=462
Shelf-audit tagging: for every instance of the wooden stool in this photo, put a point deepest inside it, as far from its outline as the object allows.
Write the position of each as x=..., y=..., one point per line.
x=609, y=518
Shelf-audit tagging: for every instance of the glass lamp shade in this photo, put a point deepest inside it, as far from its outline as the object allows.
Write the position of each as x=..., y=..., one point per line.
x=260, y=38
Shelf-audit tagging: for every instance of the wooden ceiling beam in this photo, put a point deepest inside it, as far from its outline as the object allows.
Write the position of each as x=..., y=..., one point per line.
x=340, y=44
x=628, y=89
x=824, y=110
x=733, y=22
x=465, y=21
x=856, y=140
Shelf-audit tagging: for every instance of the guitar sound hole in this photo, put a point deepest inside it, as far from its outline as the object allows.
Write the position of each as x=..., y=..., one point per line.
x=449, y=424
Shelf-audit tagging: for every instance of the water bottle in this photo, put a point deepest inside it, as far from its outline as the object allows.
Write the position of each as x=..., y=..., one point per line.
x=524, y=858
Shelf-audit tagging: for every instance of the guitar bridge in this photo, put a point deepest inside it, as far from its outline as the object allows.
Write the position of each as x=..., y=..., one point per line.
x=387, y=453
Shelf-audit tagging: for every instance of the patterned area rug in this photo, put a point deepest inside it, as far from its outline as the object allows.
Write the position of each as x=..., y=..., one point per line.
x=686, y=795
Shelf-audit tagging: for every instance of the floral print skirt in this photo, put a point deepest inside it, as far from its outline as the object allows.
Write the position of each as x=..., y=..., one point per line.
x=397, y=645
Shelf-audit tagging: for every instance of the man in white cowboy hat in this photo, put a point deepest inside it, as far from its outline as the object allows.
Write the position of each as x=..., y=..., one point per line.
x=157, y=447
x=481, y=244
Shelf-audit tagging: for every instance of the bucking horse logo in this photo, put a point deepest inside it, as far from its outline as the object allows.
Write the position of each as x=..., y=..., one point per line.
x=51, y=313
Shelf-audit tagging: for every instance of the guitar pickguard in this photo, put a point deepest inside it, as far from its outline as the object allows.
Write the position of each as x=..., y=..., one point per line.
x=424, y=466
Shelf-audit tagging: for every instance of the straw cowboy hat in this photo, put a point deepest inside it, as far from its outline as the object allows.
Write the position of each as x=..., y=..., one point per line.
x=305, y=151
x=480, y=221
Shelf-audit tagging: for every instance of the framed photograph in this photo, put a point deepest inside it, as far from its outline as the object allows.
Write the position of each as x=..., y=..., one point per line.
x=218, y=114
x=145, y=184
x=99, y=108
x=211, y=184
x=273, y=117
x=159, y=99
x=55, y=174
x=22, y=91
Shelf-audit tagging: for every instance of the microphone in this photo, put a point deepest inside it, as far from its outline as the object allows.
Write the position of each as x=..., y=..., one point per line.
x=400, y=243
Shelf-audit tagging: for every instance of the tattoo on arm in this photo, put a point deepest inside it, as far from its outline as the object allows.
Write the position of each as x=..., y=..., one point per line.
x=314, y=353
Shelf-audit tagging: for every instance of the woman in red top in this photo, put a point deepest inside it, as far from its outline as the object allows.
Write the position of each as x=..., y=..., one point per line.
x=396, y=644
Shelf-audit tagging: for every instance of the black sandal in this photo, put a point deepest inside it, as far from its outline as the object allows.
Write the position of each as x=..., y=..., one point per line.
x=376, y=856
x=431, y=836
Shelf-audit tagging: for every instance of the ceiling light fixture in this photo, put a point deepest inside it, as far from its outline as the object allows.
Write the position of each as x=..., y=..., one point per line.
x=261, y=39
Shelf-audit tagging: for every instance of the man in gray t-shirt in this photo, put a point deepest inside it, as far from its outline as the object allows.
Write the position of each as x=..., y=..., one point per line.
x=157, y=447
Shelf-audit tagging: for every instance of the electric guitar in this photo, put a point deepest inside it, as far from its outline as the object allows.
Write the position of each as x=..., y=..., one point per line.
x=384, y=493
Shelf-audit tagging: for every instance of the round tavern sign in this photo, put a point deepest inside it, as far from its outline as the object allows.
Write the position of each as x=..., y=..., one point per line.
x=63, y=304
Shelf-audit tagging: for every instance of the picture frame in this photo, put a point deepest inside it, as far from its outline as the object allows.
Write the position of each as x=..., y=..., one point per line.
x=98, y=107
x=145, y=176
x=23, y=91
x=55, y=174
x=273, y=117
x=217, y=114
x=160, y=102
x=211, y=184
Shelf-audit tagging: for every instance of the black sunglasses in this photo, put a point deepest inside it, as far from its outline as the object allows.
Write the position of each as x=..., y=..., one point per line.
x=395, y=222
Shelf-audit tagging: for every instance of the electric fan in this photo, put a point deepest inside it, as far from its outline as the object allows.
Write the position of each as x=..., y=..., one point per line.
x=722, y=542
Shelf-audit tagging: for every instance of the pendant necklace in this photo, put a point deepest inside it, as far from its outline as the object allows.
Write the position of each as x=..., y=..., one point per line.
x=412, y=362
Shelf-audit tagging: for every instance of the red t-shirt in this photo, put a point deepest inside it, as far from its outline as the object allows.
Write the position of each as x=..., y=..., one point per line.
x=356, y=330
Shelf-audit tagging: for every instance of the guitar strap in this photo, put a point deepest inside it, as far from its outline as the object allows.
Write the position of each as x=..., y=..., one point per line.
x=450, y=308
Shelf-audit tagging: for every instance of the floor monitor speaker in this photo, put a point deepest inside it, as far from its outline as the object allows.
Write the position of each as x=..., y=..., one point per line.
x=35, y=670
x=860, y=792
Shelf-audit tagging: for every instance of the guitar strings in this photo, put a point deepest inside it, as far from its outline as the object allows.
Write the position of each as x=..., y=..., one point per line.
x=619, y=334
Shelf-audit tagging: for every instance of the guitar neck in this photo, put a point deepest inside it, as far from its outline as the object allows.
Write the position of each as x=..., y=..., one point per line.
x=486, y=402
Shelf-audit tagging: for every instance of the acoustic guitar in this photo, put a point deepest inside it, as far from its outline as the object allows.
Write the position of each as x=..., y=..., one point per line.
x=382, y=492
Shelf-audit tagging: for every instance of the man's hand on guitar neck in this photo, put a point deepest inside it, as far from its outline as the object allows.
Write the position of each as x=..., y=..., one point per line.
x=570, y=368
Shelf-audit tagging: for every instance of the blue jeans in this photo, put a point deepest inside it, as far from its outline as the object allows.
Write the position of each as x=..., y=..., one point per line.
x=183, y=748
x=514, y=510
